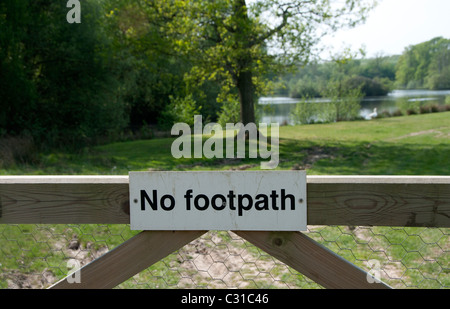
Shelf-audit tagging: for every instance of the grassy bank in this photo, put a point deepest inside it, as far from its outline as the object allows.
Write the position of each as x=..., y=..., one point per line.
x=410, y=145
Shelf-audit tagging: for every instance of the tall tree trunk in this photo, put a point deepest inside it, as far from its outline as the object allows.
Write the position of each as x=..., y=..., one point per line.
x=245, y=88
x=243, y=75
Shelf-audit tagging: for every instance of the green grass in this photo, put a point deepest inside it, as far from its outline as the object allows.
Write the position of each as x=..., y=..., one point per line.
x=413, y=145
x=409, y=145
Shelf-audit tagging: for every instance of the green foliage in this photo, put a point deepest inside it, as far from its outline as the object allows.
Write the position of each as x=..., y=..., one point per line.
x=438, y=79
x=230, y=112
x=232, y=41
x=343, y=105
x=61, y=92
x=304, y=87
x=143, y=62
x=369, y=87
x=304, y=113
x=308, y=112
x=346, y=101
x=425, y=65
x=179, y=110
x=375, y=77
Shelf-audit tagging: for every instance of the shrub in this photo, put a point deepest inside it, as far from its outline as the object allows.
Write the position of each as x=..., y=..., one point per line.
x=15, y=150
x=179, y=110
x=425, y=109
x=434, y=108
x=313, y=112
x=230, y=112
x=411, y=111
x=397, y=113
x=304, y=113
x=304, y=88
x=384, y=114
x=368, y=86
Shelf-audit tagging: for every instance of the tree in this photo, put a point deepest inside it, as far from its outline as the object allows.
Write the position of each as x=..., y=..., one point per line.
x=439, y=69
x=237, y=42
x=55, y=76
x=425, y=65
x=149, y=65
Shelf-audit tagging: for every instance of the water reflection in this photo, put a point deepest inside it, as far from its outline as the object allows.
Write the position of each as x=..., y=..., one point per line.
x=278, y=109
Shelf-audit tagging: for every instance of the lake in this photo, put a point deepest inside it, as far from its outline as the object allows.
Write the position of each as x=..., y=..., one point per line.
x=278, y=109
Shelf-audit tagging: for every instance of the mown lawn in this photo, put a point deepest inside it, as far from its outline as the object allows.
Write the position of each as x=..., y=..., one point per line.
x=409, y=145
x=412, y=145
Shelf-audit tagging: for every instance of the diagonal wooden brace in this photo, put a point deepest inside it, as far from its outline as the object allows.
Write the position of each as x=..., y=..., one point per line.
x=312, y=259
x=128, y=259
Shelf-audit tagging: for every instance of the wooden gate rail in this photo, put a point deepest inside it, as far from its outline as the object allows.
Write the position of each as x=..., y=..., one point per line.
x=332, y=200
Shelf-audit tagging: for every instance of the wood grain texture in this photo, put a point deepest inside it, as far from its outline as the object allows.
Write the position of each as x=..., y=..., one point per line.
x=415, y=201
x=128, y=259
x=311, y=259
x=64, y=199
x=379, y=201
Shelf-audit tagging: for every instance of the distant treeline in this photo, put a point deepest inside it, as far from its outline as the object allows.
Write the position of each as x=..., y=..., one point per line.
x=124, y=72
x=421, y=66
x=425, y=66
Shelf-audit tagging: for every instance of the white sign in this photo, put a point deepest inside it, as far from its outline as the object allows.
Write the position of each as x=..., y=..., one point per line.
x=224, y=200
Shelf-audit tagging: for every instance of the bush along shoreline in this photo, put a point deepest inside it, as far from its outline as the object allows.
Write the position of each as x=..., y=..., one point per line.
x=348, y=110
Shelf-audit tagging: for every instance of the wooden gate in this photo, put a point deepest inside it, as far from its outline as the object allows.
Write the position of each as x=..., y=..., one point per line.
x=406, y=201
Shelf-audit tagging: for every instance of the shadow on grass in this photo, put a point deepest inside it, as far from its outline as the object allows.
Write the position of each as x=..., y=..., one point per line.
x=325, y=157
x=362, y=158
